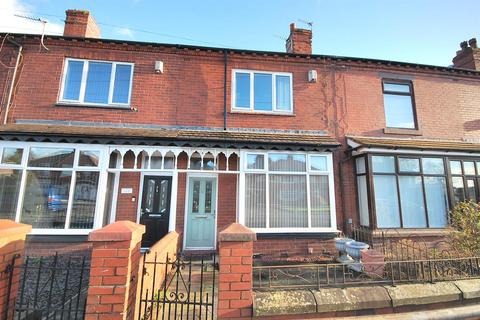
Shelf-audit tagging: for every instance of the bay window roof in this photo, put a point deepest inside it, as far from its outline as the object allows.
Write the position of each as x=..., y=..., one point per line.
x=176, y=136
x=357, y=142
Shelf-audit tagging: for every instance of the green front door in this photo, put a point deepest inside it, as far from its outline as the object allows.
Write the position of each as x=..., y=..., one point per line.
x=201, y=207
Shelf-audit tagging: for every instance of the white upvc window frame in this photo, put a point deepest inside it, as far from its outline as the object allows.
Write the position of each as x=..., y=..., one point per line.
x=101, y=189
x=308, y=172
x=251, y=108
x=83, y=85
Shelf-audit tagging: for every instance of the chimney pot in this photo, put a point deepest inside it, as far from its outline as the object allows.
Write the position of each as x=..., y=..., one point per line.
x=463, y=45
x=79, y=23
x=473, y=43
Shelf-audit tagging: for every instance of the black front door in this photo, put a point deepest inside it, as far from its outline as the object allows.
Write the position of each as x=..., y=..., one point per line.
x=155, y=210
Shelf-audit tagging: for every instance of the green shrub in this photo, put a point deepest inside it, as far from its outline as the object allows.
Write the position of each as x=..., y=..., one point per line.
x=465, y=223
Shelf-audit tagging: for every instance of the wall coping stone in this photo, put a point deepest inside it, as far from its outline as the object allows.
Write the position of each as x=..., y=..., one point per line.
x=118, y=231
x=470, y=288
x=9, y=227
x=285, y=302
x=417, y=294
x=238, y=233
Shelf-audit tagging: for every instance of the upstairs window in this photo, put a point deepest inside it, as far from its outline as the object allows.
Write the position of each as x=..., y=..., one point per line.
x=260, y=91
x=97, y=82
x=399, y=105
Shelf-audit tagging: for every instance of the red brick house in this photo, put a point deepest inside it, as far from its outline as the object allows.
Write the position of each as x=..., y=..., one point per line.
x=297, y=146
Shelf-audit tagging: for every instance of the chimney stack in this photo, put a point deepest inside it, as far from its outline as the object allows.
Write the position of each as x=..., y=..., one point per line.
x=299, y=40
x=79, y=23
x=469, y=55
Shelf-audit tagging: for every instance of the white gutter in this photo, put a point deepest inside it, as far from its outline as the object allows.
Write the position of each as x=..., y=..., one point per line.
x=12, y=85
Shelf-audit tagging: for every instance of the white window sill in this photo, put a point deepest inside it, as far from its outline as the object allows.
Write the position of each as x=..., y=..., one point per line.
x=93, y=105
x=65, y=232
x=269, y=113
x=295, y=230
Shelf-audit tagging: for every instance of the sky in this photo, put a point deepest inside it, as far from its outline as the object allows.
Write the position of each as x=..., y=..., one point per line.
x=418, y=31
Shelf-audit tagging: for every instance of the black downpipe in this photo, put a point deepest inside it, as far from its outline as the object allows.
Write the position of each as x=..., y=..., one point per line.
x=225, y=60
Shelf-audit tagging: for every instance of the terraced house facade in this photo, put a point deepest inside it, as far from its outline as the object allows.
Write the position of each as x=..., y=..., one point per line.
x=294, y=145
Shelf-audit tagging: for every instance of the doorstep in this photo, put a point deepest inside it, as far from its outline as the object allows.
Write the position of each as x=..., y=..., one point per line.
x=295, y=302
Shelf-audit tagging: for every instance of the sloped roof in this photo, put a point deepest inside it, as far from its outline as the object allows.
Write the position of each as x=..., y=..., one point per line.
x=167, y=135
x=422, y=144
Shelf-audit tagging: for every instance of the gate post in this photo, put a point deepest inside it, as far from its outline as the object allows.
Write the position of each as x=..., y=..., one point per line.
x=12, y=244
x=114, y=270
x=235, y=276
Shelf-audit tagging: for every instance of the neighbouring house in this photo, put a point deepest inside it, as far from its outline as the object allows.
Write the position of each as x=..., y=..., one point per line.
x=294, y=145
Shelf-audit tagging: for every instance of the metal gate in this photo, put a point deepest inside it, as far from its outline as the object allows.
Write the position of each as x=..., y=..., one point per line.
x=51, y=287
x=181, y=288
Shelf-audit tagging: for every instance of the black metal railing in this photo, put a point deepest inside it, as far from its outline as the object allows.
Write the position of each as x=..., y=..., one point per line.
x=181, y=288
x=343, y=275
x=52, y=287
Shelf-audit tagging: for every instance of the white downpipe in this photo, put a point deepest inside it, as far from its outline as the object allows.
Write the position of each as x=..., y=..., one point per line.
x=12, y=85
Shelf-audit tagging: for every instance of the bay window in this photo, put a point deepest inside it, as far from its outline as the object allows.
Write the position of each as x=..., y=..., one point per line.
x=408, y=191
x=288, y=192
x=92, y=82
x=52, y=187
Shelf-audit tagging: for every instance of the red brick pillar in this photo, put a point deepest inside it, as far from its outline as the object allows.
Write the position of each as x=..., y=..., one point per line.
x=235, y=277
x=12, y=244
x=114, y=271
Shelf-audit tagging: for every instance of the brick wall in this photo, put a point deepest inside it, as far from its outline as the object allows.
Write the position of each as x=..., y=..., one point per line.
x=346, y=99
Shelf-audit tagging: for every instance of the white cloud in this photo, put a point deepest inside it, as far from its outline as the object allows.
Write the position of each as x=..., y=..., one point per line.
x=125, y=32
x=13, y=24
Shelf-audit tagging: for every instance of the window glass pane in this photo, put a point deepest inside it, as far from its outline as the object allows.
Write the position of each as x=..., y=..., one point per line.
x=51, y=157
x=262, y=91
x=84, y=200
x=411, y=200
x=9, y=191
x=169, y=161
x=360, y=163
x=196, y=163
x=383, y=164
x=12, y=156
x=396, y=87
x=320, y=202
x=255, y=200
x=318, y=163
x=433, y=166
x=208, y=163
x=478, y=168
x=88, y=158
x=73, y=80
x=409, y=165
x=363, y=200
x=458, y=189
x=469, y=168
x=437, y=201
x=255, y=161
x=288, y=201
x=121, y=88
x=386, y=201
x=208, y=196
x=242, y=90
x=398, y=111
x=98, y=82
x=196, y=196
x=455, y=167
x=286, y=162
x=45, y=199
x=471, y=191
x=283, y=93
